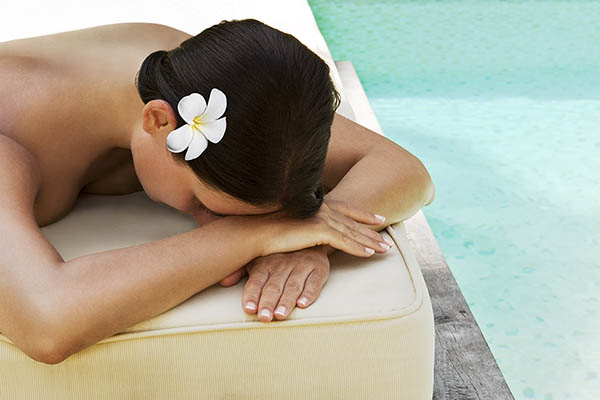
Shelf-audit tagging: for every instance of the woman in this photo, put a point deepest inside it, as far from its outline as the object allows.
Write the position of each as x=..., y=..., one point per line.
x=92, y=111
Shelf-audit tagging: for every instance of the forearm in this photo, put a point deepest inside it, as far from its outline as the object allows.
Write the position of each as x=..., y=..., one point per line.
x=98, y=295
x=397, y=192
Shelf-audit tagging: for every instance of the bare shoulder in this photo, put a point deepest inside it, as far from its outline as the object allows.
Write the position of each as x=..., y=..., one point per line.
x=152, y=25
x=136, y=28
x=136, y=32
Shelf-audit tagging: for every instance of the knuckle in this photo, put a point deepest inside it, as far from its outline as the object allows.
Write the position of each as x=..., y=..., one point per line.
x=272, y=287
x=344, y=229
x=294, y=286
x=346, y=239
x=252, y=284
x=315, y=278
x=323, y=273
x=372, y=241
x=260, y=271
x=318, y=278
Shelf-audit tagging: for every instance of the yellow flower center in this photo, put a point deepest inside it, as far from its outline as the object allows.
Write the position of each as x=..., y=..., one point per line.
x=197, y=121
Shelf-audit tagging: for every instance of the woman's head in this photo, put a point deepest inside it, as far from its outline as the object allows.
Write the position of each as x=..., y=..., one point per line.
x=280, y=106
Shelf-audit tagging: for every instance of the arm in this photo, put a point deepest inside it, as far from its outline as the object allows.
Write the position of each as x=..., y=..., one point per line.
x=370, y=172
x=25, y=254
x=95, y=296
x=98, y=295
x=51, y=309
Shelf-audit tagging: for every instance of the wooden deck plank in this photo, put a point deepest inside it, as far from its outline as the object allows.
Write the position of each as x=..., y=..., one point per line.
x=464, y=365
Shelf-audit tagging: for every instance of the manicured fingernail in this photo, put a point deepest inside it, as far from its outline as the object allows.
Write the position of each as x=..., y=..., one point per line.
x=251, y=305
x=280, y=310
x=265, y=313
x=303, y=301
x=388, y=241
x=385, y=245
x=379, y=217
x=370, y=251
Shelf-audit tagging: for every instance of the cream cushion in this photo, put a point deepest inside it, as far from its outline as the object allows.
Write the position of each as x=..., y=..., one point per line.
x=369, y=334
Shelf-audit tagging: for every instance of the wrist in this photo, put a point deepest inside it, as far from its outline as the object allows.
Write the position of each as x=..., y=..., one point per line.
x=326, y=249
x=258, y=231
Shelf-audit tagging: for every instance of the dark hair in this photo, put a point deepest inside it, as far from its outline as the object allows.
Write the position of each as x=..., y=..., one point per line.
x=280, y=106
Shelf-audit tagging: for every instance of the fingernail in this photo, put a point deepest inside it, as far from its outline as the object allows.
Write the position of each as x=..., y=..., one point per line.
x=280, y=310
x=265, y=313
x=251, y=305
x=303, y=301
x=379, y=217
x=370, y=251
x=388, y=241
x=385, y=245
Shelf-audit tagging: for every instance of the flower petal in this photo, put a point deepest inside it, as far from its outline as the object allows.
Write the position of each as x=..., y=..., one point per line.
x=179, y=139
x=213, y=130
x=197, y=146
x=190, y=106
x=217, y=103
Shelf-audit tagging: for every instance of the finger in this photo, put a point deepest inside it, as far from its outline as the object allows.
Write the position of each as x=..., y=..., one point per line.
x=359, y=237
x=252, y=289
x=356, y=224
x=291, y=291
x=358, y=214
x=343, y=242
x=355, y=229
x=270, y=295
x=233, y=278
x=312, y=287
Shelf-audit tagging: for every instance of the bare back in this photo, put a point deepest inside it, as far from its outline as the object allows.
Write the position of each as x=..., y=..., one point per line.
x=61, y=93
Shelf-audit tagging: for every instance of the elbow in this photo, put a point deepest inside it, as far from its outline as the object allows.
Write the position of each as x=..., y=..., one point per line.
x=51, y=343
x=41, y=346
x=36, y=325
x=430, y=193
x=426, y=183
x=49, y=350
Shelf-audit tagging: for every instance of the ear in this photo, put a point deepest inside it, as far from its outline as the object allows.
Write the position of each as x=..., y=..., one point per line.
x=158, y=117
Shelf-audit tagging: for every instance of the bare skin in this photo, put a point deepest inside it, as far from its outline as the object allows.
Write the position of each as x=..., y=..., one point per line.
x=70, y=99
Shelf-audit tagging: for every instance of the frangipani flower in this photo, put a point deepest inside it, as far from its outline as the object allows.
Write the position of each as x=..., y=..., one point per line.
x=203, y=123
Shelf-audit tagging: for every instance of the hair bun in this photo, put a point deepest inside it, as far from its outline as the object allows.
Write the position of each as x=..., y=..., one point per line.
x=152, y=73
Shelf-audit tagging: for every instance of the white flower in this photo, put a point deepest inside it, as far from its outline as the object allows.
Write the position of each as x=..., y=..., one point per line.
x=202, y=123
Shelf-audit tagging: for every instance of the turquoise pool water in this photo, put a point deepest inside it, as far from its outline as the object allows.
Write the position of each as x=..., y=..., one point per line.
x=501, y=102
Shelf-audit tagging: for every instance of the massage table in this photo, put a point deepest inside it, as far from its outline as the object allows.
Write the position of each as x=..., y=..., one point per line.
x=369, y=334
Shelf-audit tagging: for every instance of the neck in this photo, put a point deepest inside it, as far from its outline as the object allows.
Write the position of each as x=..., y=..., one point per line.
x=130, y=119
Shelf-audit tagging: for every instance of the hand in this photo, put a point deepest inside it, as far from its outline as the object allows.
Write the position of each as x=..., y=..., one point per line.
x=336, y=223
x=282, y=279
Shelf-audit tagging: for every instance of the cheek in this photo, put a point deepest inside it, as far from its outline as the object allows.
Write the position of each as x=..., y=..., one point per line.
x=160, y=183
x=176, y=199
x=142, y=172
